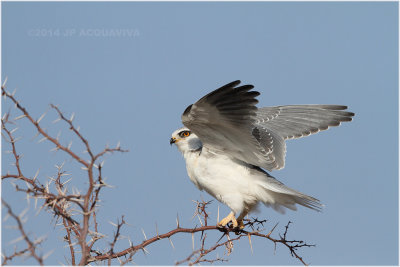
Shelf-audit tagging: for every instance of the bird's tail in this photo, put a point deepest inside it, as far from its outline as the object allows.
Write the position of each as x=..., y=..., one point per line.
x=276, y=195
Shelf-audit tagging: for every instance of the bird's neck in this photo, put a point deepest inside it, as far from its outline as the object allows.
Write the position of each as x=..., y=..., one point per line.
x=192, y=146
x=193, y=152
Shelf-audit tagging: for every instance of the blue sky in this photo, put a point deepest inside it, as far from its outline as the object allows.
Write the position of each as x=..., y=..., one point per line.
x=133, y=89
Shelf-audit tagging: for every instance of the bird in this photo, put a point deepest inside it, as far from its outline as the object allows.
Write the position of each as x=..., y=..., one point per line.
x=229, y=145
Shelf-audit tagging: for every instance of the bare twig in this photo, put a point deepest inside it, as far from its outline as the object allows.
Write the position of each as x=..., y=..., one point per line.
x=32, y=246
x=41, y=130
x=200, y=254
x=60, y=202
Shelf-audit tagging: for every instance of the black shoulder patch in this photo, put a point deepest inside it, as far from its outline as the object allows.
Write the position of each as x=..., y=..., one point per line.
x=187, y=110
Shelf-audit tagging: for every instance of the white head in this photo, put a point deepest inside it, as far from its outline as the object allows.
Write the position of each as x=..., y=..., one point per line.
x=185, y=140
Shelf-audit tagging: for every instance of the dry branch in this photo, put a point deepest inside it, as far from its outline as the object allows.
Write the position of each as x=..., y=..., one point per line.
x=61, y=203
x=32, y=245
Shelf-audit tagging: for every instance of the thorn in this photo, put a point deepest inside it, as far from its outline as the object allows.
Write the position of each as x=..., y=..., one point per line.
x=41, y=117
x=218, y=215
x=28, y=199
x=177, y=220
x=270, y=232
x=229, y=245
x=65, y=174
x=4, y=116
x=199, y=219
x=72, y=117
x=5, y=81
x=13, y=93
x=40, y=239
x=66, y=182
x=145, y=237
x=13, y=130
x=56, y=120
x=58, y=135
x=47, y=188
x=36, y=175
x=48, y=254
x=172, y=244
x=41, y=140
x=69, y=145
x=62, y=165
x=158, y=236
x=54, y=149
x=251, y=246
x=16, y=240
x=145, y=250
x=6, y=217
x=222, y=237
x=28, y=185
x=113, y=224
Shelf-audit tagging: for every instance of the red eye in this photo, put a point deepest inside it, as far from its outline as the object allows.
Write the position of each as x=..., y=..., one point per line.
x=184, y=133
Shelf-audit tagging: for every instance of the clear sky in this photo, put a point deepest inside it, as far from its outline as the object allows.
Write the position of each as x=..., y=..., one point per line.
x=133, y=89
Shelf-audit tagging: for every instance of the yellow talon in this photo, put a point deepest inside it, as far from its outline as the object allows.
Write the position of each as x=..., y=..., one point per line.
x=231, y=218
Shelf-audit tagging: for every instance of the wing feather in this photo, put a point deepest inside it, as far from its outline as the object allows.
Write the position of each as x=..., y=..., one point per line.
x=228, y=121
x=224, y=120
x=295, y=121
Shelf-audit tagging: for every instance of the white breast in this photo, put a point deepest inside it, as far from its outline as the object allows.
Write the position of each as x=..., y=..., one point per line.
x=227, y=181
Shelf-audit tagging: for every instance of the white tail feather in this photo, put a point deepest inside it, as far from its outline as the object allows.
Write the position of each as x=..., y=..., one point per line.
x=276, y=195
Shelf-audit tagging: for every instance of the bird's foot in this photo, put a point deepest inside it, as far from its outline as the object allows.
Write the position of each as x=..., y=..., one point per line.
x=227, y=219
x=231, y=218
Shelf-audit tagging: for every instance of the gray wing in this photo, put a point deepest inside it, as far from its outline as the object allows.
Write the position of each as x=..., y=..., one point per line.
x=227, y=121
x=295, y=121
x=224, y=121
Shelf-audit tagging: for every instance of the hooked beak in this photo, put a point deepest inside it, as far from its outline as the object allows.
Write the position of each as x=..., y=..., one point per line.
x=172, y=140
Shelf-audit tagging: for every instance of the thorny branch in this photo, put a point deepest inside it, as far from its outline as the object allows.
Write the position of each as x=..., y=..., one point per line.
x=198, y=255
x=31, y=244
x=76, y=212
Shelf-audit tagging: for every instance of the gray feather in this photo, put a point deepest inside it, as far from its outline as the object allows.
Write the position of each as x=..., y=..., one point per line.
x=295, y=121
x=227, y=120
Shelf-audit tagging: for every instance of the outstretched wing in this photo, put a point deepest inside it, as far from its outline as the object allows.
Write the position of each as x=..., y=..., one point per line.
x=295, y=121
x=227, y=121
x=224, y=119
